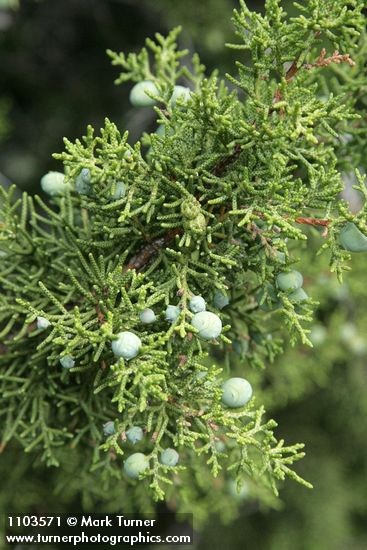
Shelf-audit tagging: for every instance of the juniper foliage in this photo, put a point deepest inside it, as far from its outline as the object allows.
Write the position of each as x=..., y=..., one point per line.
x=218, y=200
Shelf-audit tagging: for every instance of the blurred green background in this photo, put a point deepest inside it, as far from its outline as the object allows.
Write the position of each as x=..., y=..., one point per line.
x=55, y=79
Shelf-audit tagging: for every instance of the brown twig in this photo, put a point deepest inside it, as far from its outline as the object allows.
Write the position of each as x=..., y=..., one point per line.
x=151, y=249
x=292, y=71
x=213, y=426
x=223, y=164
x=183, y=360
x=323, y=61
x=100, y=315
x=312, y=221
x=315, y=222
x=301, y=220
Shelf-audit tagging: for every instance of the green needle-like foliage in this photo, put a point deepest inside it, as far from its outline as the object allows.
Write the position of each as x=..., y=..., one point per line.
x=218, y=202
